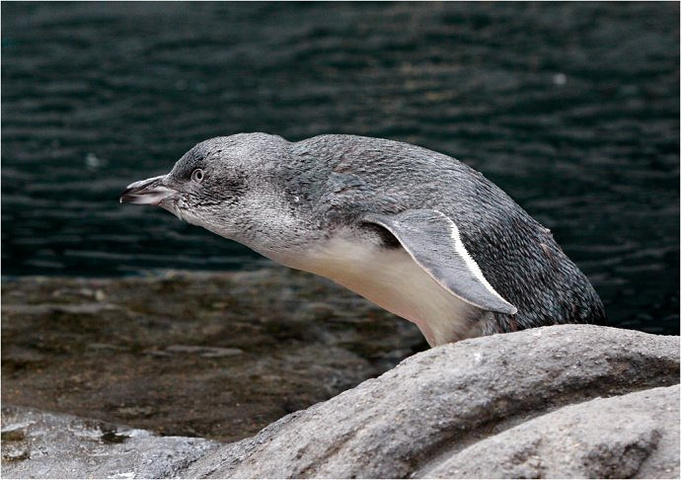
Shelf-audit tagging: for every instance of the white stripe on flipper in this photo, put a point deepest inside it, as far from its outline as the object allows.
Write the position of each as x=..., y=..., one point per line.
x=472, y=265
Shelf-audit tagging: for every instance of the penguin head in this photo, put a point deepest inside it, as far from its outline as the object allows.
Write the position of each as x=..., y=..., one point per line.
x=228, y=185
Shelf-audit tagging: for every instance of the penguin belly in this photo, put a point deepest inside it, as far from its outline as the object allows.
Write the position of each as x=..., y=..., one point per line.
x=391, y=279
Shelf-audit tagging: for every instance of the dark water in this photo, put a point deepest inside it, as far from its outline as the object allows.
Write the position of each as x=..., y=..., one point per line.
x=573, y=109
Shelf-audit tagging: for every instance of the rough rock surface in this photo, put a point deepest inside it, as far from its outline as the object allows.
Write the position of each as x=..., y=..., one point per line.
x=43, y=445
x=633, y=435
x=459, y=399
x=562, y=401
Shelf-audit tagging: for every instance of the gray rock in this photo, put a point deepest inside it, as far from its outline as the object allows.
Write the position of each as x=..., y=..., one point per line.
x=43, y=445
x=471, y=401
x=634, y=435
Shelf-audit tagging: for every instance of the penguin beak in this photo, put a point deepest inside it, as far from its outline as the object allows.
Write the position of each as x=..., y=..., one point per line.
x=147, y=192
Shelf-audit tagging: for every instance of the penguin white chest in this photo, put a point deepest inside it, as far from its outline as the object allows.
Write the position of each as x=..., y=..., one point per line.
x=391, y=279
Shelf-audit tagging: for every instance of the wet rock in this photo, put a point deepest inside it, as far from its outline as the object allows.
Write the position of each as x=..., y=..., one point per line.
x=43, y=445
x=82, y=308
x=208, y=352
x=217, y=355
x=520, y=404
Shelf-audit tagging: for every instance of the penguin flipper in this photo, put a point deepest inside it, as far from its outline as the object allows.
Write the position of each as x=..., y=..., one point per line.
x=432, y=240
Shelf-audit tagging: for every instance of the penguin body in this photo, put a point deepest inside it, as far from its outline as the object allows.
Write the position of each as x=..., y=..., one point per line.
x=417, y=232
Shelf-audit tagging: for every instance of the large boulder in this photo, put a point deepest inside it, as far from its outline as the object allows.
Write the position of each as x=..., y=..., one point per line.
x=563, y=401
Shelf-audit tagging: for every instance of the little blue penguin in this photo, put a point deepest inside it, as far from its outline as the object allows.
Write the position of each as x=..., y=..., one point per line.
x=417, y=232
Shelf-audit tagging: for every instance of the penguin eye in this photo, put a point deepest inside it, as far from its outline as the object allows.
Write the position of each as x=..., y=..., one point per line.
x=197, y=175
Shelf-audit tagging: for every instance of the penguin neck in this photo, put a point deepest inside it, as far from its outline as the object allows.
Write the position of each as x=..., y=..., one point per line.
x=391, y=279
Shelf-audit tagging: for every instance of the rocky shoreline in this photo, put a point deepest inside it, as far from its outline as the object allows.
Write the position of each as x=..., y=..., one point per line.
x=177, y=376
x=217, y=355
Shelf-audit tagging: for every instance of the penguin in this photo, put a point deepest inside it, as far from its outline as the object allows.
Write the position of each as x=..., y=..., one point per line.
x=414, y=231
